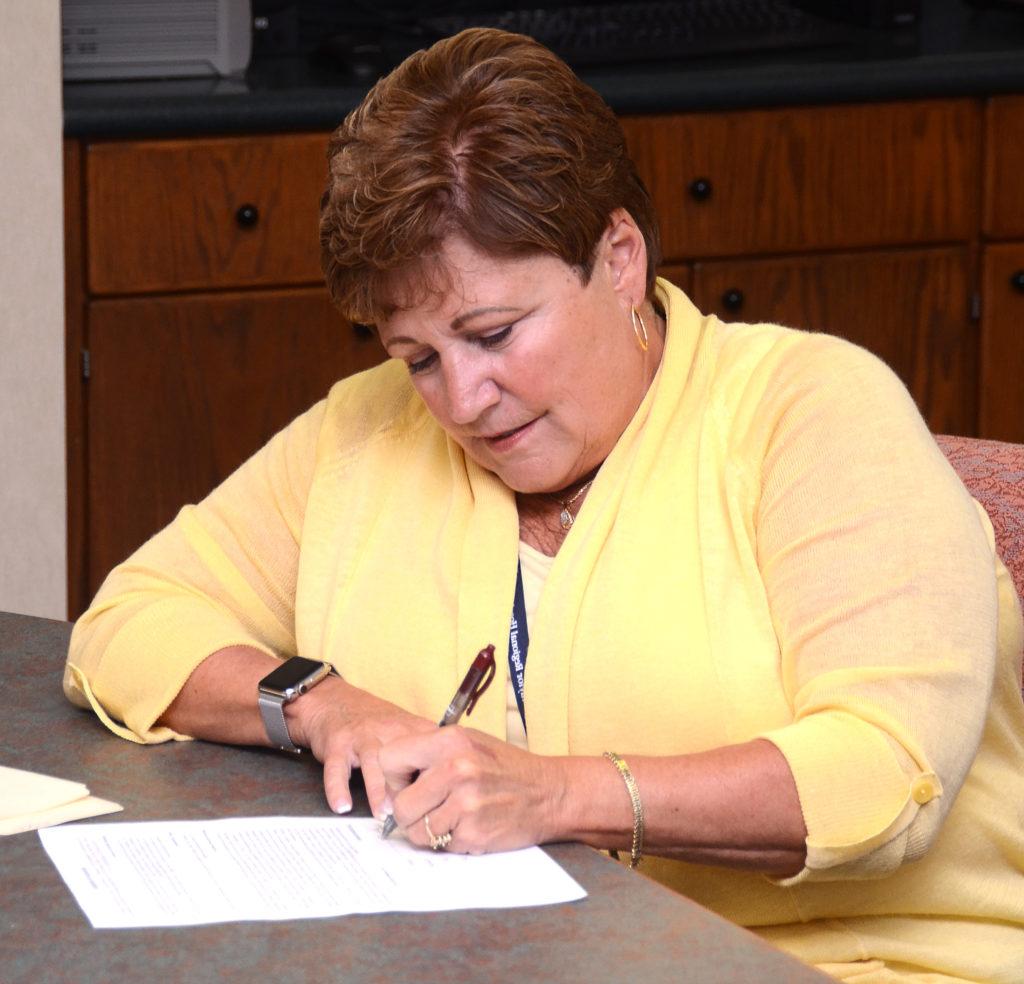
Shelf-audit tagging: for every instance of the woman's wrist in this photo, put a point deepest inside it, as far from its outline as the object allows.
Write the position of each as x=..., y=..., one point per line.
x=591, y=804
x=637, y=846
x=304, y=715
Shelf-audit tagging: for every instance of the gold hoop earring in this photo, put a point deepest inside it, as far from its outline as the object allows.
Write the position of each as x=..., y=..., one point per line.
x=639, y=328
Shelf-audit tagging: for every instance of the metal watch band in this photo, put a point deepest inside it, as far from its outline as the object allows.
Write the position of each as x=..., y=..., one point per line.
x=272, y=712
x=293, y=678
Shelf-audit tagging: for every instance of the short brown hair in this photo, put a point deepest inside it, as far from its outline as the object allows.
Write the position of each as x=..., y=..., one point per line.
x=487, y=135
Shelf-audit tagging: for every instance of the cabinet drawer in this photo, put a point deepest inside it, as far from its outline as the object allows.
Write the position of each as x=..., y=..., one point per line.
x=793, y=180
x=1004, y=177
x=187, y=214
x=1001, y=409
x=908, y=307
x=678, y=273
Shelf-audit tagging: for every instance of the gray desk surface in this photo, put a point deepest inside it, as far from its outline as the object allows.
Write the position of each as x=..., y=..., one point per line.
x=627, y=929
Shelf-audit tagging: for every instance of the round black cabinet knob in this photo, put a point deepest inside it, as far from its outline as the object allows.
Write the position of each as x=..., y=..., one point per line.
x=700, y=189
x=1017, y=280
x=247, y=216
x=732, y=299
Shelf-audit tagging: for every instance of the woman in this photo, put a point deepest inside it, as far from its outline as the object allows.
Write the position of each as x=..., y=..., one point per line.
x=745, y=565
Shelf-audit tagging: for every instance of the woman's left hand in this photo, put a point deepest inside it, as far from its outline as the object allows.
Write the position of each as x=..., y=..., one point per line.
x=491, y=796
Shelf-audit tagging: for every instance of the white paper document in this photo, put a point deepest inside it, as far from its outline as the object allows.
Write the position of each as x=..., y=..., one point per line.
x=184, y=873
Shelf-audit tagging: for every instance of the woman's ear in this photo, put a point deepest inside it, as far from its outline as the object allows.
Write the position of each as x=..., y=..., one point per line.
x=624, y=254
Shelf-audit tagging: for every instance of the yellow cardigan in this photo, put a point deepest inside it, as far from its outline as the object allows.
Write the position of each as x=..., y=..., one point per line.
x=775, y=547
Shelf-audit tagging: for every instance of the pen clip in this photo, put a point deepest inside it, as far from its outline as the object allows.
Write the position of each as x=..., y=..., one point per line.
x=487, y=656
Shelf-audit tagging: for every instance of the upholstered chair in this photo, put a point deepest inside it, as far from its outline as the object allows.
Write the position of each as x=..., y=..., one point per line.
x=993, y=472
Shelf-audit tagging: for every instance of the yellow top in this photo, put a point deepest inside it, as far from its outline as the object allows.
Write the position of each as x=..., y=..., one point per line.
x=775, y=547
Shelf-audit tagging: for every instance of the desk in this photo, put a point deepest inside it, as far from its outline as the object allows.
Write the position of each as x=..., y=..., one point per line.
x=628, y=929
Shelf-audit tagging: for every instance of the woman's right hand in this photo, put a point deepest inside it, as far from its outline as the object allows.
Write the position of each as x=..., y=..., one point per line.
x=344, y=728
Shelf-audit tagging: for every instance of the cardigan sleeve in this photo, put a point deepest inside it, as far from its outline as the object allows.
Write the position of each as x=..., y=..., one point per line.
x=222, y=574
x=881, y=577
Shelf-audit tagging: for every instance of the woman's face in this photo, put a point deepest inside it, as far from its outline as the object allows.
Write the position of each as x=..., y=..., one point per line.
x=534, y=374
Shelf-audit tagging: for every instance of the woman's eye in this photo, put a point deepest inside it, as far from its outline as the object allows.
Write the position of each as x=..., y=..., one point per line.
x=422, y=364
x=496, y=338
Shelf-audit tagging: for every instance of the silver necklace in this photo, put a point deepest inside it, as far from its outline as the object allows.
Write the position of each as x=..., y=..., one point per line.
x=565, y=516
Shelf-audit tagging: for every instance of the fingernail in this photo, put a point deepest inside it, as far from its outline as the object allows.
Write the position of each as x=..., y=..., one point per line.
x=342, y=806
x=384, y=814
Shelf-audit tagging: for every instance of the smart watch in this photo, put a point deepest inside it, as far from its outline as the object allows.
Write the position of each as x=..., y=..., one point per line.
x=289, y=681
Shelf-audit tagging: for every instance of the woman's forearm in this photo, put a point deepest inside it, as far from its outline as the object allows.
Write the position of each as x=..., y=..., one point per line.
x=219, y=701
x=735, y=806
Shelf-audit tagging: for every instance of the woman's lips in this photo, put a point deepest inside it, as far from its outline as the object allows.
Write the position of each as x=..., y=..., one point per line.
x=509, y=439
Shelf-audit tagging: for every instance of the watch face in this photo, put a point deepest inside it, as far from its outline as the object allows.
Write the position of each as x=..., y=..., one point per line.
x=291, y=673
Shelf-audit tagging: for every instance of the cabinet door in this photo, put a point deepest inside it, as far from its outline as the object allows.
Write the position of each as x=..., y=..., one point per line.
x=910, y=308
x=182, y=390
x=1004, y=142
x=1001, y=413
x=797, y=180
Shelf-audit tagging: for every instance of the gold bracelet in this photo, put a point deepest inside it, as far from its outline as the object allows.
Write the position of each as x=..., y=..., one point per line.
x=638, y=810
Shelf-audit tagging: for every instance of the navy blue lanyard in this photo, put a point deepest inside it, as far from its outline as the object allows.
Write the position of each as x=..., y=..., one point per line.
x=518, y=643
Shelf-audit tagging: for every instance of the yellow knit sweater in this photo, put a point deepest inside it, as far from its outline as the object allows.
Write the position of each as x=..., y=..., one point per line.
x=775, y=547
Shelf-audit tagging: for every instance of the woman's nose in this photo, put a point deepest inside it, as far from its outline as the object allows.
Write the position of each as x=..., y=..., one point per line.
x=470, y=391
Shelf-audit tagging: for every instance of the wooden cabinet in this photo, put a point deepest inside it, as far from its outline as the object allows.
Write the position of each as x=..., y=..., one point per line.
x=910, y=307
x=172, y=215
x=1001, y=410
x=796, y=180
x=1004, y=173
x=198, y=326
x=855, y=220
x=1001, y=407
x=194, y=284
x=183, y=389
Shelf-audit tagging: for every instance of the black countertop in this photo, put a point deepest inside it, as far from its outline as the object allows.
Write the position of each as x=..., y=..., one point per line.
x=954, y=51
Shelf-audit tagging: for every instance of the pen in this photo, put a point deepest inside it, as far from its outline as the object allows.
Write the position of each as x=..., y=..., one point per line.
x=476, y=681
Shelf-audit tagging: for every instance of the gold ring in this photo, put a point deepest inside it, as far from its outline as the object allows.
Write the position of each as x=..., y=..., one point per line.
x=437, y=843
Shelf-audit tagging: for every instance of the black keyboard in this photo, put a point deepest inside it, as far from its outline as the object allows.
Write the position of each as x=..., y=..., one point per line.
x=589, y=34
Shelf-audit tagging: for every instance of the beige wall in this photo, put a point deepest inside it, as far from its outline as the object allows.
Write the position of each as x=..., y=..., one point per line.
x=33, y=535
